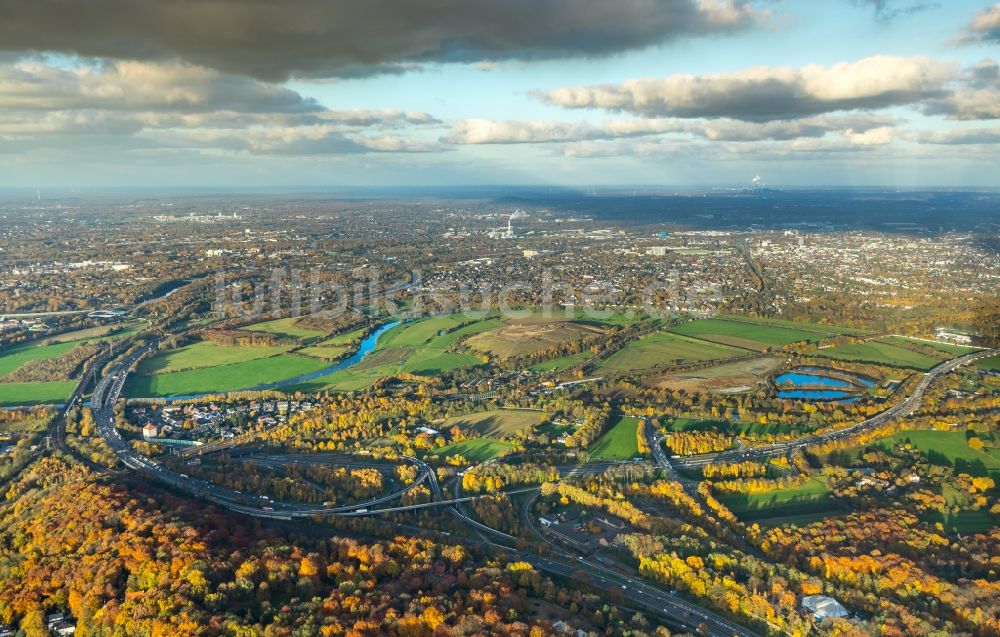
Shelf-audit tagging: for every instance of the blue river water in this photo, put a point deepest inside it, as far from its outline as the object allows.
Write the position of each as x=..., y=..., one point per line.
x=368, y=344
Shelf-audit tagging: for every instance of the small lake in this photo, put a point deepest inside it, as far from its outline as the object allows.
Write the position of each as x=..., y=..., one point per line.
x=820, y=383
x=816, y=394
x=796, y=379
x=857, y=379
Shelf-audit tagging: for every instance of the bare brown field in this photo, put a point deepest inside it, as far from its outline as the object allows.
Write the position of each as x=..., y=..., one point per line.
x=734, y=341
x=526, y=338
x=718, y=377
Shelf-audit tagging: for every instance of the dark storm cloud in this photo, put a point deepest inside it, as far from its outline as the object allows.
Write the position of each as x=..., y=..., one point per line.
x=322, y=38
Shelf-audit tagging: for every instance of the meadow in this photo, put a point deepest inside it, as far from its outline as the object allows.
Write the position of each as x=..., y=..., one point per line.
x=950, y=448
x=202, y=354
x=945, y=348
x=13, y=358
x=809, y=498
x=797, y=325
x=562, y=363
x=991, y=364
x=335, y=346
x=753, y=336
x=500, y=423
x=222, y=378
x=474, y=450
x=620, y=442
x=734, y=427
x=285, y=328
x=35, y=393
x=423, y=347
x=47, y=348
x=664, y=349
x=881, y=353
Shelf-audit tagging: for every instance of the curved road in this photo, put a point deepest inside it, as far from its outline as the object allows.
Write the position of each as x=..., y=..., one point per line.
x=680, y=612
x=899, y=410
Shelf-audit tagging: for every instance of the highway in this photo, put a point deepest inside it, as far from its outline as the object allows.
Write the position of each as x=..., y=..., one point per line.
x=684, y=614
x=106, y=394
x=680, y=612
x=899, y=410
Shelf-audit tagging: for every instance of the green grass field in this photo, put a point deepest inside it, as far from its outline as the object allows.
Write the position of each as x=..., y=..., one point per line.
x=946, y=348
x=499, y=423
x=285, y=328
x=46, y=349
x=475, y=450
x=335, y=346
x=664, y=349
x=991, y=364
x=799, y=520
x=735, y=427
x=417, y=347
x=796, y=325
x=99, y=334
x=596, y=318
x=949, y=448
x=964, y=521
x=418, y=333
x=16, y=356
x=562, y=363
x=222, y=378
x=753, y=336
x=621, y=442
x=203, y=354
x=881, y=353
x=809, y=498
x=35, y=393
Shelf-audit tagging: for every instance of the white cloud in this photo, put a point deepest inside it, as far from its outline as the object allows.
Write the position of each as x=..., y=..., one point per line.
x=483, y=131
x=959, y=137
x=177, y=104
x=133, y=86
x=985, y=27
x=770, y=93
x=874, y=137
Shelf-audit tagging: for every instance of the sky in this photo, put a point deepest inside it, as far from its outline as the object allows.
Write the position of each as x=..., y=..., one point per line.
x=673, y=93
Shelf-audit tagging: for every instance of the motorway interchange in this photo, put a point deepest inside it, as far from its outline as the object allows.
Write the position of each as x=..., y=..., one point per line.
x=557, y=561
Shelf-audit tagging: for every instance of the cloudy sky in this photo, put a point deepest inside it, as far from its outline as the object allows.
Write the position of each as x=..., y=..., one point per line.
x=568, y=92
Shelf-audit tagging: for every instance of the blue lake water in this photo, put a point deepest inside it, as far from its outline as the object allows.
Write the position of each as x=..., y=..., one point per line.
x=857, y=379
x=368, y=345
x=815, y=394
x=810, y=380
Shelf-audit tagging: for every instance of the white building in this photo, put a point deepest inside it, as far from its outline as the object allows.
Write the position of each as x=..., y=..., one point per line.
x=954, y=337
x=823, y=607
x=149, y=431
